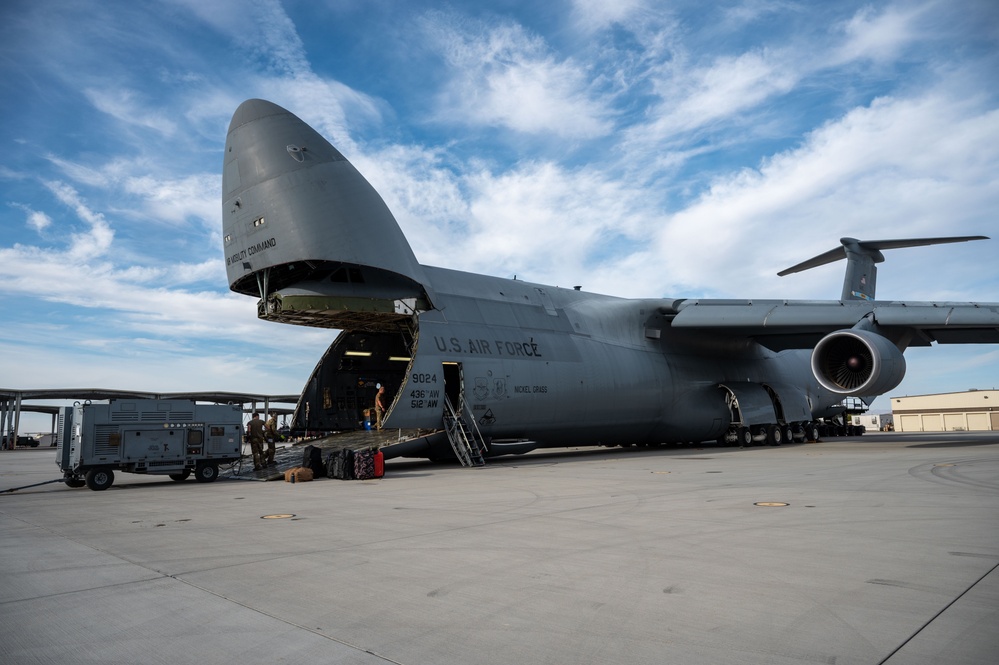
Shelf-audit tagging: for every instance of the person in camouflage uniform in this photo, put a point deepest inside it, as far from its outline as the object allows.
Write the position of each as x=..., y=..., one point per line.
x=255, y=432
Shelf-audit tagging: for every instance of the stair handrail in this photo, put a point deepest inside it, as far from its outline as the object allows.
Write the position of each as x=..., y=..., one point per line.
x=456, y=435
x=480, y=441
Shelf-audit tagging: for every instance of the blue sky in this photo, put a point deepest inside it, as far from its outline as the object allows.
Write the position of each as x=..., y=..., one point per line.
x=639, y=148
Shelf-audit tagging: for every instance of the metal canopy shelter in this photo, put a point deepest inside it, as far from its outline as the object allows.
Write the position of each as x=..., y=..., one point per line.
x=12, y=403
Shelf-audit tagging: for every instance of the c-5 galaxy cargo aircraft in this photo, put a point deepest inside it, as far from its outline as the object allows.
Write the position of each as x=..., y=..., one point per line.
x=497, y=365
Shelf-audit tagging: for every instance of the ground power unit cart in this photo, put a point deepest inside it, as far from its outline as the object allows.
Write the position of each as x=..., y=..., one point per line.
x=152, y=436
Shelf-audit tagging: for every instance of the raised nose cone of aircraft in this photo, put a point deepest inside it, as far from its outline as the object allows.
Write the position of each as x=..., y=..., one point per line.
x=304, y=230
x=254, y=109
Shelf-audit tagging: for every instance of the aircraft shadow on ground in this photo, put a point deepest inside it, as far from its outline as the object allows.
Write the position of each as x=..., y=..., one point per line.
x=666, y=450
x=956, y=444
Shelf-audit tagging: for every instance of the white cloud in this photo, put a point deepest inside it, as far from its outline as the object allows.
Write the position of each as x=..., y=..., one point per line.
x=93, y=243
x=125, y=106
x=539, y=220
x=861, y=176
x=728, y=86
x=544, y=222
x=743, y=14
x=175, y=200
x=84, y=273
x=593, y=15
x=37, y=220
x=140, y=190
x=425, y=196
x=115, y=305
x=85, y=175
x=262, y=29
x=503, y=76
x=877, y=36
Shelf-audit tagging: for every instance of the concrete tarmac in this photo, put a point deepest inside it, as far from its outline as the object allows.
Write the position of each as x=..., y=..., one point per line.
x=886, y=552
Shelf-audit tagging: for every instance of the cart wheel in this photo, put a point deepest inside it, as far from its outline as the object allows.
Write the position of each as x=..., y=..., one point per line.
x=206, y=473
x=100, y=479
x=74, y=482
x=183, y=475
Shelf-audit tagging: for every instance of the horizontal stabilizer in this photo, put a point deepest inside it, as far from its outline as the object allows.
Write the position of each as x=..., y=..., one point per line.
x=874, y=245
x=862, y=255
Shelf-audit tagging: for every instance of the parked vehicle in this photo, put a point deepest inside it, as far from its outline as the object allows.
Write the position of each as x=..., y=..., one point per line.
x=168, y=437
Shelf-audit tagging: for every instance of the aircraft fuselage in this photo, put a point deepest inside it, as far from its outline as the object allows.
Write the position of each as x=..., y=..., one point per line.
x=307, y=234
x=559, y=366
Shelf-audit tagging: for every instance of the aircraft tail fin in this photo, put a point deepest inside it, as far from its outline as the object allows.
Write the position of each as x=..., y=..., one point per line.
x=860, y=281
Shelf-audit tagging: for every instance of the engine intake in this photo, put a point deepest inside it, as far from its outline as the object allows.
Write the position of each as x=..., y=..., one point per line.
x=857, y=362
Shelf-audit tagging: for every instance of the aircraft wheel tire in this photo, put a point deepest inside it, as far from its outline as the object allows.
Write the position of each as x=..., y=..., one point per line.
x=744, y=436
x=99, y=479
x=812, y=432
x=179, y=477
x=206, y=473
x=775, y=435
x=788, y=434
x=75, y=482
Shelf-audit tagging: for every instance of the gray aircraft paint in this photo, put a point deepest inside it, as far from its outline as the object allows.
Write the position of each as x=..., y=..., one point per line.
x=307, y=234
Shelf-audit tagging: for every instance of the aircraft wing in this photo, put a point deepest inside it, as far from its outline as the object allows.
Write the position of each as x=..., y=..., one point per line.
x=800, y=324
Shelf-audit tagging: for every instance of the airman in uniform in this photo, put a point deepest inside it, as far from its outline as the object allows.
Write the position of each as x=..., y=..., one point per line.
x=255, y=432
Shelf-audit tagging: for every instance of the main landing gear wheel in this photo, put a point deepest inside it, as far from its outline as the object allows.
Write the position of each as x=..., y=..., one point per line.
x=812, y=432
x=788, y=433
x=744, y=437
x=775, y=435
x=206, y=473
x=183, y=475
x=100, y=479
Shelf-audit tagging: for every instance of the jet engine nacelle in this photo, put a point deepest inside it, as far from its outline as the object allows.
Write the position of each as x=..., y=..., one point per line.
x=857, y=362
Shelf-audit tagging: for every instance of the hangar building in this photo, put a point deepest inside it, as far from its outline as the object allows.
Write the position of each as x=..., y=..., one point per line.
x=974, y=410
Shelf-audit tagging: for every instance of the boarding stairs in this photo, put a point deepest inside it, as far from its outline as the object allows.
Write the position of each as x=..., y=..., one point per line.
x=464, y=434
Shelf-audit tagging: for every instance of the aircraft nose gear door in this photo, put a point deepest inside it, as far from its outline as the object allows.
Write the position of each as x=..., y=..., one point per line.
x=462, y=430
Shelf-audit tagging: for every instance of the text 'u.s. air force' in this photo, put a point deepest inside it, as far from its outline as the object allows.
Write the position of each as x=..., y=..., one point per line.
x=495, y=347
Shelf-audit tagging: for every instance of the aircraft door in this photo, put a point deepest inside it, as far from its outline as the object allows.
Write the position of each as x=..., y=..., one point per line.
x=754, y=404
x=453, y=384
x=790, y=404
